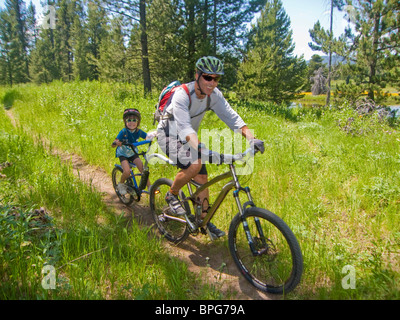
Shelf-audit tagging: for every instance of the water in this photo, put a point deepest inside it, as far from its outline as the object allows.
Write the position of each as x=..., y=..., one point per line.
x=394, y=108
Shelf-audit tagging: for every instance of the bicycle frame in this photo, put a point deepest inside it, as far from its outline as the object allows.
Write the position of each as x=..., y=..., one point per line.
x=145, y=167
x=133, y=175
x=234, y=183
x=266, y=266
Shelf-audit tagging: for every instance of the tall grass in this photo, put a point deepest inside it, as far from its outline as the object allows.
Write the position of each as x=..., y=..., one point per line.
x=96, y=254
x=335, y=182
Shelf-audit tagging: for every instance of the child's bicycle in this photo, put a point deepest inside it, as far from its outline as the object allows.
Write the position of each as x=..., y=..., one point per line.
x=262, y=245
x=134, y=189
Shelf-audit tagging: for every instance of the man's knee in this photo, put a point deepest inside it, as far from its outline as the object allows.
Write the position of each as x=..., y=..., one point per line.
x=194, y=169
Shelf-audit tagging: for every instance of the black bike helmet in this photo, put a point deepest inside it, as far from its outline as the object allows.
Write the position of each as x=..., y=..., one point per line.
x=132, y=112
x=210, y=65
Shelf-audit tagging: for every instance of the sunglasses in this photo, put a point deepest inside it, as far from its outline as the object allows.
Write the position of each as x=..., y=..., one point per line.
x=209, y=78
x=131, y=120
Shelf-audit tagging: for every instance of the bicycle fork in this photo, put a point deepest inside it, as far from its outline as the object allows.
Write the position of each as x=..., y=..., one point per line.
x=242, y=209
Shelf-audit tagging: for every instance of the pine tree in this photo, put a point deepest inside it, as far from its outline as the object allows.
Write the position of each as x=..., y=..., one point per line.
x=5, y=40
x=96, y=31
x=315, y=63
x=44, y=64
x=80, y=50
x=270, y=71
x=32, y=29
x=14, y=42
x=113, y=59
x=45, y=57
x=167, y=46
x=371, y=46
x=229, y=22
x=135, y=12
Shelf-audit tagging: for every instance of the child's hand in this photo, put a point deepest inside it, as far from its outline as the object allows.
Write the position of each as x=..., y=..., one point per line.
x=151, y=135
x=116, y=143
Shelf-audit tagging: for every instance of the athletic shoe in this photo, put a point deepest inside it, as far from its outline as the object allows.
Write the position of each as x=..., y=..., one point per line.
x=174, y=204
x=122, y=189
x=215, y=231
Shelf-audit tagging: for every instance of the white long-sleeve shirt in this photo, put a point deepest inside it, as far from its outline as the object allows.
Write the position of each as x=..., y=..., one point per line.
x=188, y=121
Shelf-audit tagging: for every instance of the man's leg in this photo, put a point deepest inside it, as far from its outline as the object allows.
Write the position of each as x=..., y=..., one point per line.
x=184, y=176
x=202, y=178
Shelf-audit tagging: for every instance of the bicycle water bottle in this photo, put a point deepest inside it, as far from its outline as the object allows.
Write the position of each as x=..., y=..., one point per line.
x=198, y=211
x=143, y=180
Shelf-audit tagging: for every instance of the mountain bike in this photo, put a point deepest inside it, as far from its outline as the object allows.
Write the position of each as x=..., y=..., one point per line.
x=135, y=189
x=262, y=245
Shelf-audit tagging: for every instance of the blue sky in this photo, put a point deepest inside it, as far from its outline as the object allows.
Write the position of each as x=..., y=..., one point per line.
x=303, y=14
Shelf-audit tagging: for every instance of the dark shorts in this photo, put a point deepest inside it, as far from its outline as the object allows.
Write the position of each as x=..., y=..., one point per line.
x=179, y=152
x=130, y=159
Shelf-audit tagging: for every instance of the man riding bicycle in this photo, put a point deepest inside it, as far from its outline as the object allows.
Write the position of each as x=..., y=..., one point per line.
x=177, y=131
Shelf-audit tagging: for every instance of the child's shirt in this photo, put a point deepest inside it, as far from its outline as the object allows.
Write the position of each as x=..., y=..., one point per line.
x=127, y=136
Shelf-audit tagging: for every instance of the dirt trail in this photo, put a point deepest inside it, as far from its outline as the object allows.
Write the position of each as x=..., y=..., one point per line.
x=210, y=261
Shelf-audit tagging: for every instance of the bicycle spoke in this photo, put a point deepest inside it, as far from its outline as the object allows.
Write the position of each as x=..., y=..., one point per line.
x=170, y=225
x=270, y=266
x=275, y=263
x=127, y=198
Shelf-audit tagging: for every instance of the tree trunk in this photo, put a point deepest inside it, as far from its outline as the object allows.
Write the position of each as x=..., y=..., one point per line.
x=328, y=94
x=215, y=29
x=191, y=39
x=145, y=51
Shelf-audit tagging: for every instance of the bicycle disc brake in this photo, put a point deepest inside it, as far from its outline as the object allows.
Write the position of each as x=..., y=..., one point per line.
x=265, y=247
x=134, y=193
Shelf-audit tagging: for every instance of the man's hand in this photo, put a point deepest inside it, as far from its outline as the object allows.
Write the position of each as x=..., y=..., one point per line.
x=257, y=145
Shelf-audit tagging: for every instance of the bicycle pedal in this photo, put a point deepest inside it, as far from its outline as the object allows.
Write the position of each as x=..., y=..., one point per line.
x=191, y=223
x=211, y=235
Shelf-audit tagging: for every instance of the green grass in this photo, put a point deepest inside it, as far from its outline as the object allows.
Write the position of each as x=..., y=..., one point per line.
x=96, y=253
x=335, y=182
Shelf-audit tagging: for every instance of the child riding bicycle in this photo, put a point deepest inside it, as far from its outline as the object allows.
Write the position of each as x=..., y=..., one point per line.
x=130, y=134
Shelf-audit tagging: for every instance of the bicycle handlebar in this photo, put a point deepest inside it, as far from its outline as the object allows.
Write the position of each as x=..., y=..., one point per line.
x=230, y=158
x=136, y=144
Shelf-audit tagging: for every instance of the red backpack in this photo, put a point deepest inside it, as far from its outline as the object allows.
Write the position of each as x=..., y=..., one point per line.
x=165, y=98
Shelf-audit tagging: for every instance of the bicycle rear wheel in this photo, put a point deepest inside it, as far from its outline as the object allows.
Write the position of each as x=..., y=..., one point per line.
x=276, y=265
x=173, y=227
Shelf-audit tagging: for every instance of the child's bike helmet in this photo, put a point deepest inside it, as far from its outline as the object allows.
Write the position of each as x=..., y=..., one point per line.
x=132, y=112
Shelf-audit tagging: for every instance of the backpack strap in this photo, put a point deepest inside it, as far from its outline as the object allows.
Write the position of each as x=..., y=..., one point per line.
x=185, y=87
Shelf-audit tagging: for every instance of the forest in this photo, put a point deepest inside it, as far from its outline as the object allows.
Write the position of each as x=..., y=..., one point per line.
x=331, y=172
x=152, y=43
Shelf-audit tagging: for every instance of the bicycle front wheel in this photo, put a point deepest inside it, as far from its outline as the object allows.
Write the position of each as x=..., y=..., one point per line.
x=173, y=227
x=274, y=264
x=127, y=198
